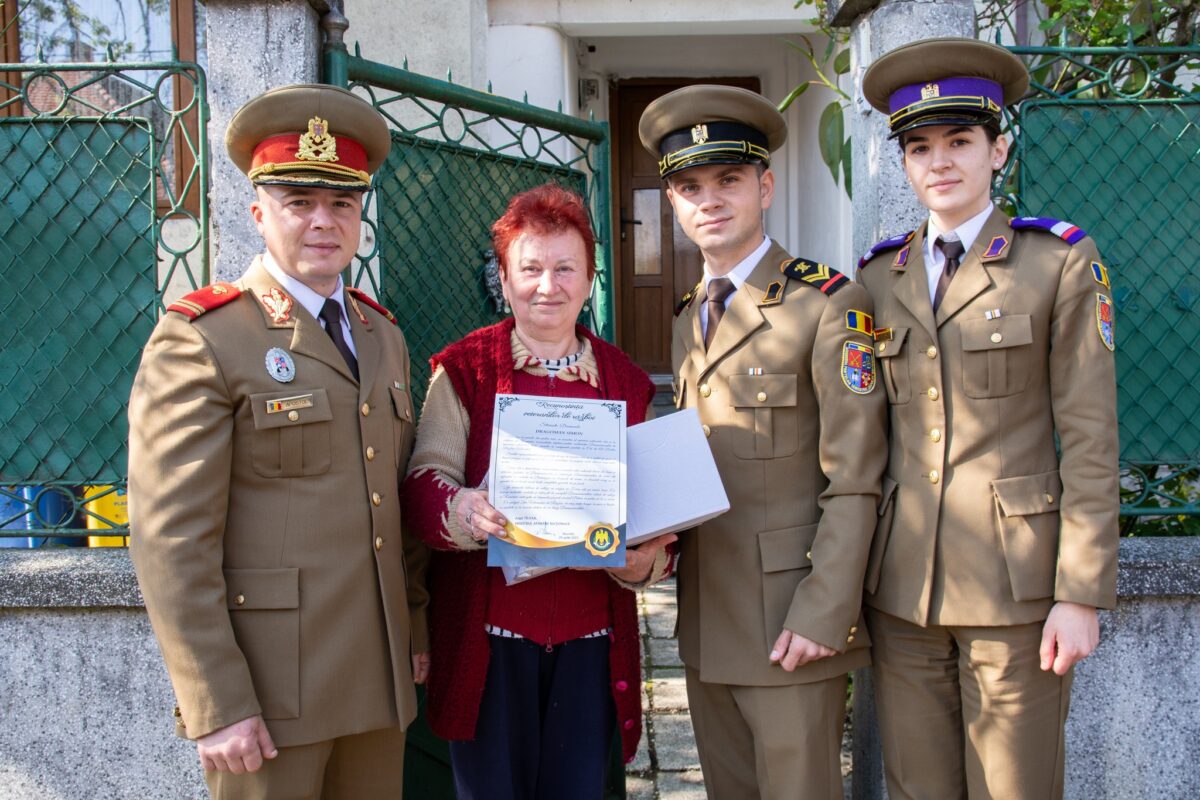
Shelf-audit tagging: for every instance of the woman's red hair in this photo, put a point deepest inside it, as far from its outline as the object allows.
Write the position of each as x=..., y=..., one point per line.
x=545, y=209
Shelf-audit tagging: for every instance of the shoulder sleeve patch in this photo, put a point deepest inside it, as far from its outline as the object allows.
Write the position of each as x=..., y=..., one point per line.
x=686, y=300
x=214, y=295
x=825, y=278
x=365, y=299
x=887, y=244
x=1064, y=230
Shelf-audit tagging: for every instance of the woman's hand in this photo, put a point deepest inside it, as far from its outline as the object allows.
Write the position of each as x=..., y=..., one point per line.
x=640, y=560
x=478, y=517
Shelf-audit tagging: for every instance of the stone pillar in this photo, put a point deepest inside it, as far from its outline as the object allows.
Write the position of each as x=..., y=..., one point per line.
x=253, y=45
x=884, y=205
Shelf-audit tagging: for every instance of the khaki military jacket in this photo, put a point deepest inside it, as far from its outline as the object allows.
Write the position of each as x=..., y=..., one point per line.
x=982, y=521
x=265, y=534
x=800, y=454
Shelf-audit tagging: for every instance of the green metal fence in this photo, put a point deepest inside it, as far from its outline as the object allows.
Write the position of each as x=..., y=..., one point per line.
x=1109, y=139
x=96, y=161
x=458, y=156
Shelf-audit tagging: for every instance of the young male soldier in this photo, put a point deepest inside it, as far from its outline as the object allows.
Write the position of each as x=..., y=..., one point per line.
x=995, y=547
x=775, y=353
x=269, y=424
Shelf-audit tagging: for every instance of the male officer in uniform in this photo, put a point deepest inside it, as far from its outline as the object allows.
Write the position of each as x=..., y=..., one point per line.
x=775, y=354
x=995, y=339
x=269, y=424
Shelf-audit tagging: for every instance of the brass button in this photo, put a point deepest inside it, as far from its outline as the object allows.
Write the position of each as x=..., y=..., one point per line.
x=934, y=476
x=850, y=639
x=997, y=337
x=933, y=393
x=935, y=435
x=808, y=555
x=366, y=409
x=854, y=629
x=240, y=600
x=762, y=397
x=882, y=346
x=931, y=351
x=376, y=498
x=1049, y=498
x=293, y=415
x=370, y=453
x=707, y=430
x=408, y=414
x=378, y=542
x=705, y=390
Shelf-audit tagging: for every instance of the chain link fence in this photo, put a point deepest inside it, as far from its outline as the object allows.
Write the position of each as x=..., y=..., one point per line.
x=96, y=168
x=1110, y=140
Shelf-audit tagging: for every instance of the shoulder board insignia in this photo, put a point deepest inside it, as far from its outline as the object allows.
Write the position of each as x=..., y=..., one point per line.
x=198, y=302
x=686, y=300
x=825, y=278
x=887, y=244
x=362, y=297
x=1064, y=230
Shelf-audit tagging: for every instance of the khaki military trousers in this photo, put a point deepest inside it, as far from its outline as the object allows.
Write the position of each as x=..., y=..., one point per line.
x=967, y=712
x=769, y=742
x=365, y=766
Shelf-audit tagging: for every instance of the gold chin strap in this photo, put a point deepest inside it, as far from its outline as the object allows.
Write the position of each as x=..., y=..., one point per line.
x=696, y=152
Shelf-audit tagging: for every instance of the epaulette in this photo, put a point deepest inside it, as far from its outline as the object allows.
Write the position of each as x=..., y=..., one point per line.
x=203, y=300
x=885, y=245
x=363, y=297
x=686, y=300
x=827, y=279
x=1064, y=230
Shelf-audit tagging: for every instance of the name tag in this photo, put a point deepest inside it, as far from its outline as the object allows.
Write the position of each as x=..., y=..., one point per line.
x=289, y=403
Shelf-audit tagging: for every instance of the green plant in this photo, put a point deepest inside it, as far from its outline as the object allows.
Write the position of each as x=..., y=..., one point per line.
x=831, y=128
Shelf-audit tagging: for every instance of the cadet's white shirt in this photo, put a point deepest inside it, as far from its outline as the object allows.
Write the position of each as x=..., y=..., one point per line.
x=311, y=301
x=967, y=233
x=738, y=275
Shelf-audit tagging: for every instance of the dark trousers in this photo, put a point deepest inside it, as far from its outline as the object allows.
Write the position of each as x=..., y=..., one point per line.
x=545, y=725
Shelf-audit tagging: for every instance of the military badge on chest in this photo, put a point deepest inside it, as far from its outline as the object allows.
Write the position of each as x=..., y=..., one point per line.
x=858, y=367
x=280, y=365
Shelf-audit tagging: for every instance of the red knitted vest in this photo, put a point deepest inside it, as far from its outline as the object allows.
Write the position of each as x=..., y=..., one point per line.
x=479, y=366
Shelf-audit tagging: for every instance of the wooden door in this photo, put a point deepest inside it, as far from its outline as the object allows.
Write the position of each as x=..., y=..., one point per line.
x=655, y=262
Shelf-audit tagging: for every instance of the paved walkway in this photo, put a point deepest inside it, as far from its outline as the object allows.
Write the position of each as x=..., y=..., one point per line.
x=666, y=766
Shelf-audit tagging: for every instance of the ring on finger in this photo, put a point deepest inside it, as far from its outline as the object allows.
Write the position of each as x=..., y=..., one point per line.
x=471, y=519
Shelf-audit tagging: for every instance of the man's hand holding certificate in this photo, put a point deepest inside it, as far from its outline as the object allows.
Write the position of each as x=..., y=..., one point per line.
x=557, y=474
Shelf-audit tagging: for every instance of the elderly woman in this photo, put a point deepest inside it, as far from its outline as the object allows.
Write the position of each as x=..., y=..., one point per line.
x=528, y=679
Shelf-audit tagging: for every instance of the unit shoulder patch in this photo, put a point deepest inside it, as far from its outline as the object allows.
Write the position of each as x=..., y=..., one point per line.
x=213, y=296
x=858, y=367
x=1064, y=230
x=686, y=300
x=827, y=279
x=1104, y=321
x=893, y=243
x=365, y=299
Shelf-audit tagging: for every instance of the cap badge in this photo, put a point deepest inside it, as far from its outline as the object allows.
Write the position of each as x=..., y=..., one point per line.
x=928, y=92
x=318, y=144
x=278, y=305
x=699, y=134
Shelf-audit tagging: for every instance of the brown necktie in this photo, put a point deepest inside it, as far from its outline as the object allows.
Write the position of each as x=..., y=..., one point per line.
x=331, y=312
x=952, y=249
x=719, y=290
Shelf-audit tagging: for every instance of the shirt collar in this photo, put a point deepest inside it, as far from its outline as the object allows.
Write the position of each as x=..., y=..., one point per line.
x=306, y=297
x=582, y=370
x=742, y=271
x=968, y=232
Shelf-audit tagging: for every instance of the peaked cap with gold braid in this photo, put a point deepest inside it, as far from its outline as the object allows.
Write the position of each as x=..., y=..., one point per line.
x=308, y=135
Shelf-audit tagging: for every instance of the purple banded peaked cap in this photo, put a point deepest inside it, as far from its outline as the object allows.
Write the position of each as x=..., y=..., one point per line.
x=944, y=81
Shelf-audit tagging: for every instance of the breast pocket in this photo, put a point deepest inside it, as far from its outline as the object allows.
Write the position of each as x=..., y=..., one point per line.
x=402, y=425
x=764, y=412
x=893, y=361
x=291, y=433
x=996, y=354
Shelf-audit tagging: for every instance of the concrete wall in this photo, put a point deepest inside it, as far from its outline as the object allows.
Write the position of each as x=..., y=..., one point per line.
x=86, y=708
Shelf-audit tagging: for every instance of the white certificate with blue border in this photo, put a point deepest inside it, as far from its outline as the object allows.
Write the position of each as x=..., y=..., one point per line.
x=557, y=474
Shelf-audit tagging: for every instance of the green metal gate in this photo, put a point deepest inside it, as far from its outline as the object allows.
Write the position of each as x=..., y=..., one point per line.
x=1110, y=140
x=96, y=163
x=457, y=157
